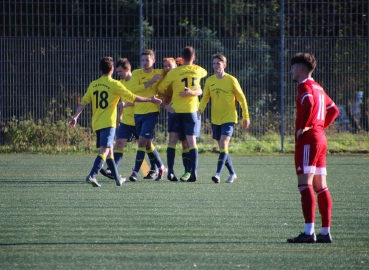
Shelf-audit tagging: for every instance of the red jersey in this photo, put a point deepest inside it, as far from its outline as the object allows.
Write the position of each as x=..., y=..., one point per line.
x=315, y=109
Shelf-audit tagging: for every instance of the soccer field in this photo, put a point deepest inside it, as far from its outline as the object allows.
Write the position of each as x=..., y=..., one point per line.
x=51, y=219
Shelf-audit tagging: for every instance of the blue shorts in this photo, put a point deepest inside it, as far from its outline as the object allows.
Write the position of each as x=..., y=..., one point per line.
x=184, y=123
x=223, y=129
x=105, y=137
x=145, y=124
x=172, y=126
x=127, y=132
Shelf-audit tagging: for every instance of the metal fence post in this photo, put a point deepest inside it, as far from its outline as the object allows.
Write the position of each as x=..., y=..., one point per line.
x=282, y=73
x=141, y=26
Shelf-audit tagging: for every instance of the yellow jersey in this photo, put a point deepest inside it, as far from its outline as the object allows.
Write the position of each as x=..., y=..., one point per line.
x=139, y=78
x=223, y=93
x=128, y=112
x=104, y=94
x=179, y=78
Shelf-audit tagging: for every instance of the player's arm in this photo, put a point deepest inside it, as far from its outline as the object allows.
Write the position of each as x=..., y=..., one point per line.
x=154, y=79
x=138, y=86
x=125, y=94
x=73, y=121
x=164, y=84
x=123, y=104
x=188, y=92
x=331, y=115
x=205, y=99
x=152, y=99
x=241, y=98
x=86, y=99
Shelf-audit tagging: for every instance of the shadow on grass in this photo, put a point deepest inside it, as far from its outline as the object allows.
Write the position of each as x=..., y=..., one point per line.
x=105, y=182
x=127, y=243
x=15, y=181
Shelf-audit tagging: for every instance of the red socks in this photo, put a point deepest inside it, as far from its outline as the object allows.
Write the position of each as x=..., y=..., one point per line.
x=307, y=202
x=325, y=206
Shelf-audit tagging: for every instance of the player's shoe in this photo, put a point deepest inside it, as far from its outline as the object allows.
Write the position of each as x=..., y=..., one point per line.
x=120, y=181
x=162, y=171
x=152, y=174
x=107, y=173
x=185, y=177
x=216, y=178
x=303, y=238
x=192, y=178
x=172, y=177
x=231, y=178
x=321, y=238
x=92, y=181
x=133, y=177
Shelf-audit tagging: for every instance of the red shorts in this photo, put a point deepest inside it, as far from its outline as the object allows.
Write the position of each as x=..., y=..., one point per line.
x=311, y=159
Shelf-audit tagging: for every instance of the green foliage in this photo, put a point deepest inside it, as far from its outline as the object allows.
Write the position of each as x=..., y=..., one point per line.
x=37, y=136
x=46, y=137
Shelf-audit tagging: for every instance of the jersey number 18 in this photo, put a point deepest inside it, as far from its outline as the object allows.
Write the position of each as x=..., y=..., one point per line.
x=103, y=102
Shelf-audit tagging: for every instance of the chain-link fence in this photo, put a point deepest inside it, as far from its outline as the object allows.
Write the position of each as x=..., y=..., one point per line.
x=50, y=52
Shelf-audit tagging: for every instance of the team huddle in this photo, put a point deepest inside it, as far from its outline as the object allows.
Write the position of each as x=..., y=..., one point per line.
x=176, y=87
x=139, y=94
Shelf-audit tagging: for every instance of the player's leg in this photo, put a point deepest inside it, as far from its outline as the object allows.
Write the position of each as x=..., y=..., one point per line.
x=188, y=124
x=185, y=156
x=305, y=165
x=113, y=168
x=142, y=142
x=171, y=153
x=153, y=173
x=124, y=134
x=217, y=131
x=140, y=155
x=155, y=161
x=162, y=170
x=226, y=131
x=104, y=140
x=194, y=156
x=172, y=143
x=324, y=197
x=118, y=152
x=145, y=125
x=229, y=166
x=186, y=149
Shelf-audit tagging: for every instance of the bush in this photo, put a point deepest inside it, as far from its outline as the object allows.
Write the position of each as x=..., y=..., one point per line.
x=55, y=136
x=46, y=137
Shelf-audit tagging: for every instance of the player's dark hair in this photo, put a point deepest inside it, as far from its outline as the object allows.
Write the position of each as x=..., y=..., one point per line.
x=188, y=53
x=124, y=63
x=220, y=57
x=106, y=63
x=305, y=59
x=149, y=53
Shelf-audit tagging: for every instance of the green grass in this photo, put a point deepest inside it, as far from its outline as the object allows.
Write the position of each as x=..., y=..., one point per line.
x=50, y=219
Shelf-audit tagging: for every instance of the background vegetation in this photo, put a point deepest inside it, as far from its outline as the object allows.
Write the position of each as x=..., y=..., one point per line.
x=50, y=51
x=31, y=136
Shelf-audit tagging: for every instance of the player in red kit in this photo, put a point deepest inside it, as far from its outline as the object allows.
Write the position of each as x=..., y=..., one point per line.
x=315, y=111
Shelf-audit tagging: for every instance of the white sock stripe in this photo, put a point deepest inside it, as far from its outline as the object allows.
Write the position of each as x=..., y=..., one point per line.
x=301, y=188
x=323, y=190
